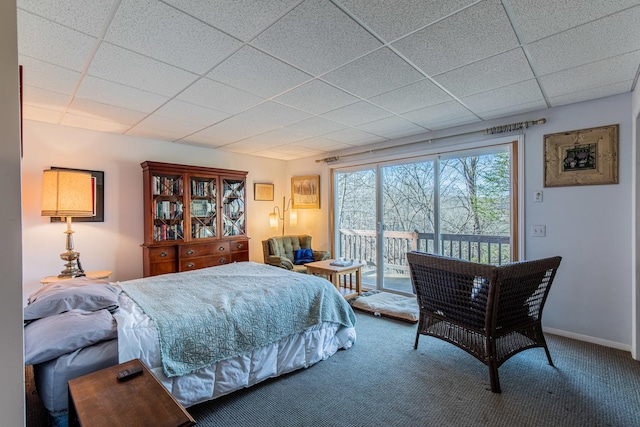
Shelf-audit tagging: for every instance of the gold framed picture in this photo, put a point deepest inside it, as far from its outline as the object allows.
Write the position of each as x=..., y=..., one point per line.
x=262, y=191
x=305, y=192
x=581, y=157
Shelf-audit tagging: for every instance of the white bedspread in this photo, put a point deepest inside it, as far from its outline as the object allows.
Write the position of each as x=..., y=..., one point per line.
x=137, y=338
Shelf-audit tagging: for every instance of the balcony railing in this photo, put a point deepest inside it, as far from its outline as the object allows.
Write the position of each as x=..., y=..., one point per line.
x=361, y=245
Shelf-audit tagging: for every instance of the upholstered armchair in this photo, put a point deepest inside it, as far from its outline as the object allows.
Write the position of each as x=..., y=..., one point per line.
x=280, y=251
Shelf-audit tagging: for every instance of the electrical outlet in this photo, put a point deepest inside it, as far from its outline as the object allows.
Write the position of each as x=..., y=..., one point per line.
x=538, y=231
x=537, y=196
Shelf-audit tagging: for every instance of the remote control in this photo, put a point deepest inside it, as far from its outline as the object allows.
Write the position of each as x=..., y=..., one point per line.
x=129, y=373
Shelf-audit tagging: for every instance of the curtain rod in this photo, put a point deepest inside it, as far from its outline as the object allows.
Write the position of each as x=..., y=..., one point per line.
x=488, y=131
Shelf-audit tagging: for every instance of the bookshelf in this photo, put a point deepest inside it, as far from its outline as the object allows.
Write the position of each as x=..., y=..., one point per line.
x=194, y=217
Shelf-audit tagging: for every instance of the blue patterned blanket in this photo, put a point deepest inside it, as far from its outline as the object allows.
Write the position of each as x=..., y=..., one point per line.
x=211, y=314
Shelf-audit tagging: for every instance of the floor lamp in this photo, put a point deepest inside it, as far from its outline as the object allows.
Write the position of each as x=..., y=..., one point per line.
x=279, y=215
x=67, y=194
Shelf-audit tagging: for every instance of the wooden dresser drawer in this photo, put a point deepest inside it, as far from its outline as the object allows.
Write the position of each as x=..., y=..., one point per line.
x=202, y=262
x=239, y=245
x=193, y=251
x=161, y=254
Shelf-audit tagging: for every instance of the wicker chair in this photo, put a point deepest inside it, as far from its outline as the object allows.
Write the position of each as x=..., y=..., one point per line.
x=279, y=251
x=490, y=312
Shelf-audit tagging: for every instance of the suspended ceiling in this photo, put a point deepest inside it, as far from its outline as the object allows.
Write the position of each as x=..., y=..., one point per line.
x=287, y=79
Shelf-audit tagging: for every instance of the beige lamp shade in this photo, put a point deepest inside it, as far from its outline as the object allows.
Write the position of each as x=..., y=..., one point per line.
x=273, y=220
x=293, y=218
x=67, y=193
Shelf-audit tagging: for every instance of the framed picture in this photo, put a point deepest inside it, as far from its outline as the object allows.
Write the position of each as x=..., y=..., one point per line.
x=581, y=157
x=262, y=191
x=305, y=192
x=97, y=178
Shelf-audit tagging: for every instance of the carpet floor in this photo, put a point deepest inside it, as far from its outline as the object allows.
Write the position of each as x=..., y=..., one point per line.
x=382, y=380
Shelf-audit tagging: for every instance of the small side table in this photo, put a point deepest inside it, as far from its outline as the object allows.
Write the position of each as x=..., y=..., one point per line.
x=334, y=273
x=98, y=274
x=100, y=400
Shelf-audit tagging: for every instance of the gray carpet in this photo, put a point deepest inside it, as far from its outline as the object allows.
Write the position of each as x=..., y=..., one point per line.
x=383, y=381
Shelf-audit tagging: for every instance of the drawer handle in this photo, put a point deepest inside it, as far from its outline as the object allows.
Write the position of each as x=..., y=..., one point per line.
x=239, y=246
x=190, y=265
x=163, y=254
x=190, y=251
x=222, y=260
x=221, y=248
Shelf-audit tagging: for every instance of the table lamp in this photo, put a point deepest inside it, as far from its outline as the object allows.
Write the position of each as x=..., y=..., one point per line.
x=67, y=194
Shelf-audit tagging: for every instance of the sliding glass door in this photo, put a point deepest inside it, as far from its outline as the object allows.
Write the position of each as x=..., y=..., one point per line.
x=457, y=204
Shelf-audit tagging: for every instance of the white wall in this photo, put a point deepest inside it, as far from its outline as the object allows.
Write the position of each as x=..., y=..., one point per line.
x=589, y=226
x=115, y=243
x=11, y=353
x=635, y=249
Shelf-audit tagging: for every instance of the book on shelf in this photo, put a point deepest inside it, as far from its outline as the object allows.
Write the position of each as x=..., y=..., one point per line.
x=341, y=263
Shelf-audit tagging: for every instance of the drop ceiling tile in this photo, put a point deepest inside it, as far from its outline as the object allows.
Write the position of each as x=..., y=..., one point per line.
x=354, y=137
x=551, y=16
x=321, y=144
x=375, y=73
x=611, y=36
x=272, y=138
x=392, y=127
x=158, y=30
x=123, y=66
x=500, y=70
x=411, y=97
x=298, y=151
x=447, y=111
x=218, y=96
x=620, y=68
x=97, y=110
x=47, y=76
x=317, y=37
x=448, y=123
x=29, y=112
x=93, y=124
x=165, y=128
x=316, y=97
x=257, y=73
x=392, y=18
x=475, y=33
x=357, y=114
x=514, y=109
x=95, y=89
x=586, y=95
x=87, y=16
x=51, y=42
x=260, y=119
x=190, y=113
x=241, y=19
x=272, y=154
x=506, y=96
x=43, y=98
x=316, y=126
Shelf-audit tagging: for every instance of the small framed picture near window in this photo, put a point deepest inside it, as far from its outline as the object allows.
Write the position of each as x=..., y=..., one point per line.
x=305, y=192
x=262, y=191
x=581, y=157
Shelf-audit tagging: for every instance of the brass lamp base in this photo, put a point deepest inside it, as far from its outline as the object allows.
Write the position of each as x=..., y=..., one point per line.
x=71, y=267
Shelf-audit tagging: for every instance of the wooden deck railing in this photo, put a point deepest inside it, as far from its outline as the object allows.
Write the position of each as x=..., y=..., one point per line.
x=361, y=245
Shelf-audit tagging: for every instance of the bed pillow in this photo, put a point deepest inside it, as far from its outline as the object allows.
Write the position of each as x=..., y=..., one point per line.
x=53, y=336
x=302, y=256
x=79, y=293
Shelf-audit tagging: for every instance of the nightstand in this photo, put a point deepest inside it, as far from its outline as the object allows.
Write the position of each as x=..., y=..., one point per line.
x=98, y=274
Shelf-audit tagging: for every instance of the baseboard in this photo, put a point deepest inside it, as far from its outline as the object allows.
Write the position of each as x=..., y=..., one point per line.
x=587, y=338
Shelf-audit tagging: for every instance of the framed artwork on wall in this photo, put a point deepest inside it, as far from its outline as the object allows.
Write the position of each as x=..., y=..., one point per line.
x=581, y=157
x=97, y=178
x=262, y=192
x=305, y=192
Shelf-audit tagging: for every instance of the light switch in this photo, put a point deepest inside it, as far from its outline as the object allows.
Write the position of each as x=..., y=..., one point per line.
x=537, y=196
x=538, y=231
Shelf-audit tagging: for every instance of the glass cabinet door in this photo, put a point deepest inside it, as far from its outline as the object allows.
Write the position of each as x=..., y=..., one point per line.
x=203, y=207
x=167, y=202
x=233, y=215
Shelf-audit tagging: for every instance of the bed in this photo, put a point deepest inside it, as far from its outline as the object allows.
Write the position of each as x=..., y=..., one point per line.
x=268, y=322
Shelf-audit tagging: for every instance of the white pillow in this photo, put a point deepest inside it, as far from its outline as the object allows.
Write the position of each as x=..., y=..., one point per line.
x=79, y=293
x=53, y=336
